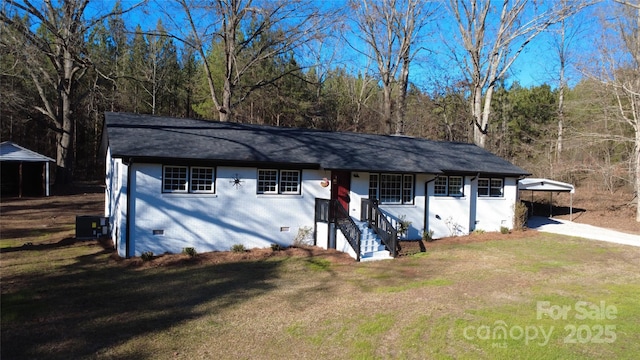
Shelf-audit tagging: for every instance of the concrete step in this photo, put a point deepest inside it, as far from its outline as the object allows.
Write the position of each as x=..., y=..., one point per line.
x=368, y=249
x=375, y=256
x=371, y=247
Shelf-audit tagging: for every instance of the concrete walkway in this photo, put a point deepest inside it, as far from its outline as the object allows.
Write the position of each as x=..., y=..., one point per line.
x=565, y=227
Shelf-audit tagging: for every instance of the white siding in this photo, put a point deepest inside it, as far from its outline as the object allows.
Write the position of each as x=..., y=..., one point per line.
x=115, y=205
x=216, y=222
x=453, y=216
x=450, y=215
x=492, y=213
x=238, y=215
x=343, y=245
x=322, y=235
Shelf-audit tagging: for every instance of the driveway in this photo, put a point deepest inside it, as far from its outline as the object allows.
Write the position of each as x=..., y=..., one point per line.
x=565, y=227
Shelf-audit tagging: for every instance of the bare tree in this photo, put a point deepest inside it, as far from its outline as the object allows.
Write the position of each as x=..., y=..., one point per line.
x=360, y=90
x=250, y=31
x=390, y=29
x=563, y=37
x=618, y=67
x=562, y=51
x=493, y=40
x=56, y=58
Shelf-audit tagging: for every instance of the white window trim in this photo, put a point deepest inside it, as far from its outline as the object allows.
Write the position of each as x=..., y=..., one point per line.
x=213, y=180
x=188, y=184
x=489, y=188
x=278, y=190
x=164, y=178
x=277, y=180
x=411, y=188
x=447, y=187
x=461, y=194
x=298, y=183
x=378, y=191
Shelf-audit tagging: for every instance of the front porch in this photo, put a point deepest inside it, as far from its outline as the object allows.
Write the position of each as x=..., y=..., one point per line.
x=372, y=237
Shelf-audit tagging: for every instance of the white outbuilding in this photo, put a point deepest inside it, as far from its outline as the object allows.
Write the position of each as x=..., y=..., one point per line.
x=550, y=186
x=24, y=172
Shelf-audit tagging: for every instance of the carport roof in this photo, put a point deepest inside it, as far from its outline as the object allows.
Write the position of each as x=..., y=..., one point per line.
x=10, y=151
x=540, y=184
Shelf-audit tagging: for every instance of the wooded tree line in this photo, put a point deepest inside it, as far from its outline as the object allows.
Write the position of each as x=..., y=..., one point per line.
x=64, y=63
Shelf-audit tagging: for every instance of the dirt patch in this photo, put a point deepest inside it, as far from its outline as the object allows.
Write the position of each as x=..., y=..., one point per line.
x=405, y=248
x=221, y=257
x=413, y=247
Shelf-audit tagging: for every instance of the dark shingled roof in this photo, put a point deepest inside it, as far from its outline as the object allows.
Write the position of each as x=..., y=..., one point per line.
x=157, y=139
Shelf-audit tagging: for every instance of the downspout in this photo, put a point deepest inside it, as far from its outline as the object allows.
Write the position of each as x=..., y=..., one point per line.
x=426, y=203
x=46, y=175
x=127, y=240
x=473, y=204
x=570, y=206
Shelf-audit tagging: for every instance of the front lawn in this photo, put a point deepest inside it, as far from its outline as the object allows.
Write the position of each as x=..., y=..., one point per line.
x=535, y=296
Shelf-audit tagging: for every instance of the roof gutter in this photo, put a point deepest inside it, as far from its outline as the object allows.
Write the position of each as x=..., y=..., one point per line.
x=215, y=162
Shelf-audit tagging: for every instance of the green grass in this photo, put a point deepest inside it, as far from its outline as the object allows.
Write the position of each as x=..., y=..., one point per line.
x=318, y=264
x=414, y=285
x=64, y=299
x=90, y=306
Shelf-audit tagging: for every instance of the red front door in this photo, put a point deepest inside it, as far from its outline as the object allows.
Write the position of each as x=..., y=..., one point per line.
x=340, y=187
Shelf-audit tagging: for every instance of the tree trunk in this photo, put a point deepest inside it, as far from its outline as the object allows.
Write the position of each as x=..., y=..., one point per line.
x=64, y=138
x=562, y=54
x=636, y=154
x=224, y=111
x=560, y=124
x=387, y=109
x=476, y=111
x=402, y=96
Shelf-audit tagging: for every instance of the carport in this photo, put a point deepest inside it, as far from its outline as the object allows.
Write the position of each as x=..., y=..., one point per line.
x=550, y=186
x=23, y=172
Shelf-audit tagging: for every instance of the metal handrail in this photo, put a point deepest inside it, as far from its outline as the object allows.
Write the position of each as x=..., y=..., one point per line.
x=345, y=223
x=371, y=213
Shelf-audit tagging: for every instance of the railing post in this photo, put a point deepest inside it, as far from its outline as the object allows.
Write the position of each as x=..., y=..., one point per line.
x=347, y=226
x=394, y=240
x=359, y=247
x=383, y=227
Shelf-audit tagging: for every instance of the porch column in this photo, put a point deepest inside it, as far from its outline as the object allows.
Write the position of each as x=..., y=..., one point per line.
x=46, y=177
x=20, y=179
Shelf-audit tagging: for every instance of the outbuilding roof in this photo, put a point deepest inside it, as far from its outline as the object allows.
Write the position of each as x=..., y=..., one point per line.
x=10, y=151
x=539, y=184
x=149, y=138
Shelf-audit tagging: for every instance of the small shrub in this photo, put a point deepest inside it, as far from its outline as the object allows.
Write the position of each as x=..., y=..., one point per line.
x=403, y=225
x=302, y=238
x=276, y=247
x=189, y=251
x=146, y=256
x=520, y=215
x=504, y=230
x=427, y=236
x=238, y=248
x=478, y=231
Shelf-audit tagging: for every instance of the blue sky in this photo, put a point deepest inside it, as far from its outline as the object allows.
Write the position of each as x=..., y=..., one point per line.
x=537, y=65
